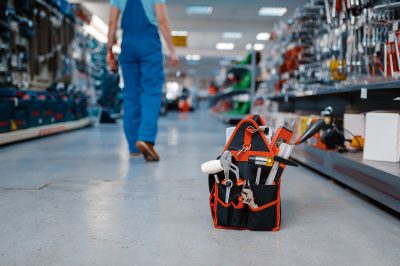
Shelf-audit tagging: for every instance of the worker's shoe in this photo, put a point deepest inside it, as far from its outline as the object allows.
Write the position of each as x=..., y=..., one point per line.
x=148, y=151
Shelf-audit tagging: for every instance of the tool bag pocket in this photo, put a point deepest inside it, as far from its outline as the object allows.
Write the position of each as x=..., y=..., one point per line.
x=267, y=216
x=231, y=214
x=236, y=215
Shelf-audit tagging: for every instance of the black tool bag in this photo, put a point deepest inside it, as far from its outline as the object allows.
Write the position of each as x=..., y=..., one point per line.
x=248, y=140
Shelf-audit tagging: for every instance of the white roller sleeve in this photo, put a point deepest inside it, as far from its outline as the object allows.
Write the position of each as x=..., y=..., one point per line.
x=211, y=167
x=284, y=151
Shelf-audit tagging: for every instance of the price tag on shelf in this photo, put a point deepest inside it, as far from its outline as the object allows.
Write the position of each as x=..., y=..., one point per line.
x=364, y=93
x=391, y=37
x=395, y=26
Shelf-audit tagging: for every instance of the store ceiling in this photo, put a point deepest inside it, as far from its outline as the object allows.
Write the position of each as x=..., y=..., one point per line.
x=205, y=31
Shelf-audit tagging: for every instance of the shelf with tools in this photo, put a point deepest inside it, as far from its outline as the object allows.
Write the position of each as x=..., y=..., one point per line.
x=344, y=57
x=383, y=95
x=389, y=85
x=42, y=131
x=233, y=103
x=52, y=69
x=336, y=49
x=377, y=180
x=228, y=93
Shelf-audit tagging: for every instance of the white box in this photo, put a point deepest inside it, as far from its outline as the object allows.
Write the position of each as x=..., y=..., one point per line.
x=382, y=137
x=354, y=124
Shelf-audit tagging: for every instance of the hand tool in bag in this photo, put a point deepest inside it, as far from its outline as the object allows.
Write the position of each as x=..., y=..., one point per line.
x=226, y=162
x=260, y=161
x=268, y=161
x=258, y=176
x=284, y=152
x=248, y=196
x=286, y=149
x=211, y=167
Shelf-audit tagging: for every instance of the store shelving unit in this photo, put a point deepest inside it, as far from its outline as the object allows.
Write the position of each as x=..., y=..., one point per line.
x=378, y=180
x=229, y=93
x=338, y=89
x=320, y=67
x=364, y=97
x=42, y=131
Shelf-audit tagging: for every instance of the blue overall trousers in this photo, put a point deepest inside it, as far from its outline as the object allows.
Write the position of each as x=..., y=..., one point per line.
x=142, y=70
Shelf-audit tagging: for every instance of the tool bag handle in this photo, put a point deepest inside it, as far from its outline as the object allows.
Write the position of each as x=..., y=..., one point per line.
x=249, y=140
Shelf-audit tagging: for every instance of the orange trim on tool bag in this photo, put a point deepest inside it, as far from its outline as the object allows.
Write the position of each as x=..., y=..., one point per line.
x=230, y=227
x=215, y=218
x=249, y=120
x=248, y=134
x=227, y=205
x=278, y=209
x=264, y=206
x=212, y=193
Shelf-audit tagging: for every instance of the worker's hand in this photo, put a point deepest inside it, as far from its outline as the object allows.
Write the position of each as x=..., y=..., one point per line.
x=112, y=62
x=173, y=59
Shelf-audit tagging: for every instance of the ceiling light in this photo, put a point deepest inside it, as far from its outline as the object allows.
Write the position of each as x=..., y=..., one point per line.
x=258, y=46
x=263, y=36
x=193, y=57
x=199, y=10
x=225, y=46
x=272, y=11
x=249, y=46
x=181, y=33
x=232, y=35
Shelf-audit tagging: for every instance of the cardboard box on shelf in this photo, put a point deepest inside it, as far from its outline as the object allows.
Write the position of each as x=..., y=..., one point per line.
x=382, y=137
x=354, y=124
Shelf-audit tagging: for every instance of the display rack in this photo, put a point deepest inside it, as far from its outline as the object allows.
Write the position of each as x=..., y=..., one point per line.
x=377, y=180
x=358, y=97
x=42, y=131
x=338, y=89
x=229, y=93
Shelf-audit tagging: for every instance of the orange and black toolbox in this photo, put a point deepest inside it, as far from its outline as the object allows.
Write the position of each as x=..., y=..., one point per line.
x=230, y=209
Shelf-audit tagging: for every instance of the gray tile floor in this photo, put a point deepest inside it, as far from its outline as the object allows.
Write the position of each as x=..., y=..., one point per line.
x=77, y=199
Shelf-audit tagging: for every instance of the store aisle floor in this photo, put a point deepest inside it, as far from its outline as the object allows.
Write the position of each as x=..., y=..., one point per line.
x=77, y=199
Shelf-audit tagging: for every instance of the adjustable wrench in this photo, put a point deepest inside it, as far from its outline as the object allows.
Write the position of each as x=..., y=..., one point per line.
x=248, y=195
x=226, y=162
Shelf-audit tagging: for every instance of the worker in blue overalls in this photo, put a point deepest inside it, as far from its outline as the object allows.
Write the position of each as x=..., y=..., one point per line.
x=142, y=68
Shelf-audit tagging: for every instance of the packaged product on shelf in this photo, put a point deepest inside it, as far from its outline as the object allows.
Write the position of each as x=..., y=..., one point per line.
x=382, y=136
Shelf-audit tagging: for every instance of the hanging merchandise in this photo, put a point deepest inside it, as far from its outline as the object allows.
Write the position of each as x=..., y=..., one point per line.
x=36, y=64
x=337, y=41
